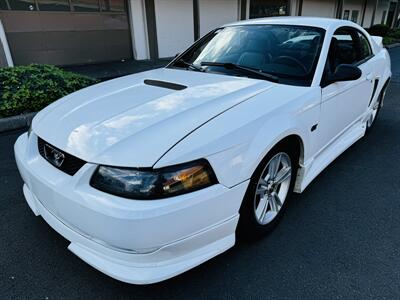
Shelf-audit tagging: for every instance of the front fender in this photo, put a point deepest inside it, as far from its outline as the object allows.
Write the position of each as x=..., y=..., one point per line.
x=236, y=141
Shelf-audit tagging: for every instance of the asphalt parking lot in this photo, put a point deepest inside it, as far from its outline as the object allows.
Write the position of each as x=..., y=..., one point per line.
x=339, y=239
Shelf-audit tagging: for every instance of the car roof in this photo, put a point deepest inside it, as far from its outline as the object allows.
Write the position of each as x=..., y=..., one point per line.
x=324, y=23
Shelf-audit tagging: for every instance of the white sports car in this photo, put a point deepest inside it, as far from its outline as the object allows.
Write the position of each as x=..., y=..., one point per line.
x=151, y=174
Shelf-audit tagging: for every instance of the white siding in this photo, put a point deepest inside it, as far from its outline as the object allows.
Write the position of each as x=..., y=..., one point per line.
x=383, y=5
x=214, y=13
x=174, y=21
x=319, y=8
x=294, y=7
x=137, y=20
x=368, y=13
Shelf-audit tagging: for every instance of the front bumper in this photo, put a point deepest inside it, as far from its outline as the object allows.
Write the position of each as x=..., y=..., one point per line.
x=132, y=241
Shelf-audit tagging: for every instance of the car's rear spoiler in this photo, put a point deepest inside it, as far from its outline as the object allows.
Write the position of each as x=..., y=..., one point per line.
x=378, y=40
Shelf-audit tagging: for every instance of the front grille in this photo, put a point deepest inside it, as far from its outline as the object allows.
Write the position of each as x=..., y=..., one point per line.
x=71, y=164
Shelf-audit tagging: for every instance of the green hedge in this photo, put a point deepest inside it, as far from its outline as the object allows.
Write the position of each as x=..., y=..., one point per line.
x=31, y=88
x=394, y=33
x=379, y=30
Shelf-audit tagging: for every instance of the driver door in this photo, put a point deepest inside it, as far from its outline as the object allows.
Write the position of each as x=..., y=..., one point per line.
x=344, y=103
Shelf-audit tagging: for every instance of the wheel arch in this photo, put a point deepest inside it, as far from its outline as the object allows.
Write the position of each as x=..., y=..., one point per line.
x=297, y=143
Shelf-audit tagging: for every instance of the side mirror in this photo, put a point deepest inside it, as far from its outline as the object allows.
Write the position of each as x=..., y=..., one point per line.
x=176, y=55
x=343, y=72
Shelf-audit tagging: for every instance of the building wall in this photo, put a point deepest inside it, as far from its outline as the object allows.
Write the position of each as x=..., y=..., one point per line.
x=64, y=38
x=383, y=5
x=320, y=8
x=353, y=6
x=174, y=21
x=151, y=29
x=138, y=27
x=214, y=13
x=368, y=13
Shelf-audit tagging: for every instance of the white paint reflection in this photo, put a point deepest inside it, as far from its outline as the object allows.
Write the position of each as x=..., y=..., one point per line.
x=93, y=138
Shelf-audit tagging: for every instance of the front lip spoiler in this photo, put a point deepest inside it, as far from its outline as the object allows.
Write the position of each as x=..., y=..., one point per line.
x=28, y=194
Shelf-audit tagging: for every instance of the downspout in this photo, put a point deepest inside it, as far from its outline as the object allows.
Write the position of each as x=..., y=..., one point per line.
x=363, y=12
x=300, y=8
x=196, y=19
x=374, y=12
x=396, y=15
x=339, y=9
x=243, y=9
x=6, y=49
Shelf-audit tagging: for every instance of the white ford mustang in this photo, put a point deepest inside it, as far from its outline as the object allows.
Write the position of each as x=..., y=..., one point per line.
x=151, y=174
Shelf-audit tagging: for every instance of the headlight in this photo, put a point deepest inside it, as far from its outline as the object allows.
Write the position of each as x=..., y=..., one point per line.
x=147, y=183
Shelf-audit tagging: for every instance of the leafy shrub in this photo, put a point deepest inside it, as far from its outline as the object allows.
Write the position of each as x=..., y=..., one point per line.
x=379, y=30
x=387, y=40
x=31, y=88
x=394, y=33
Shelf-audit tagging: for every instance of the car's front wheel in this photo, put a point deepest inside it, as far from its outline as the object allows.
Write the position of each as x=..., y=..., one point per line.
x=268, y=192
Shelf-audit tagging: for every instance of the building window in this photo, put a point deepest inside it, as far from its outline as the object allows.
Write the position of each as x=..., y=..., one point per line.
x=22, y=4
x=54, y=5
x=346, y=14
x=263, y=8
x=86, y=5
x=113, y=5
x=117, y=6
x=354, y=16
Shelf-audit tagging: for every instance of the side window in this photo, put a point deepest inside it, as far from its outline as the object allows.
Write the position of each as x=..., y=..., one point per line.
x=365, y=47
x=348, y=46
x=345, y=47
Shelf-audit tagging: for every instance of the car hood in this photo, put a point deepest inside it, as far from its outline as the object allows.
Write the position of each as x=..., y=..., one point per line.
x=126, y=122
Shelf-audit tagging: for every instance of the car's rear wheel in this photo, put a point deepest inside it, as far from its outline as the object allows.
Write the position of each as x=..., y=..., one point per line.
x=268, y=192
x=375, y=110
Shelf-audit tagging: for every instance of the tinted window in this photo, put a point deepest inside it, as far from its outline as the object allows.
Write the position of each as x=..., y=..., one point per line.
x=287, y=51
x=348, y=46
x=86, y=5
x=54, y=5
x=344, y=46
x=22, y=4
x=365, y=46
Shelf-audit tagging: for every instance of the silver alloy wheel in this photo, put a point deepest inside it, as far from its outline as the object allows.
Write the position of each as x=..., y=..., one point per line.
x=272, y=188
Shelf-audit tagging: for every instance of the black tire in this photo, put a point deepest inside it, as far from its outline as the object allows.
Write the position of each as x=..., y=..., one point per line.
x=249, y=229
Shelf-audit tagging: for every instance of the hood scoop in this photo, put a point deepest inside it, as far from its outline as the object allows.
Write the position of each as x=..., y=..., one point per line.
x=165, y=84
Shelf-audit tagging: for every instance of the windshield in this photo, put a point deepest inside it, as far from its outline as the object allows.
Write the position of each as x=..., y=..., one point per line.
x=288, y=52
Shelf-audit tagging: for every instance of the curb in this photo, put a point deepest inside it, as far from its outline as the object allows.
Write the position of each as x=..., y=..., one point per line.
x=16, y=122
x=393, y=45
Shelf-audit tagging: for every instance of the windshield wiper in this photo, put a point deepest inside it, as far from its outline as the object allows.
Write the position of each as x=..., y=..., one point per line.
x=259, y=73
x=189, y=65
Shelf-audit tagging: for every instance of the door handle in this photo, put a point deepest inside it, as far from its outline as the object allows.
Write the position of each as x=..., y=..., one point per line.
x=370, y=76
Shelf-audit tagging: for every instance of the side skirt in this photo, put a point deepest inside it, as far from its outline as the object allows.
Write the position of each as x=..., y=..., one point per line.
x=310, y=170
